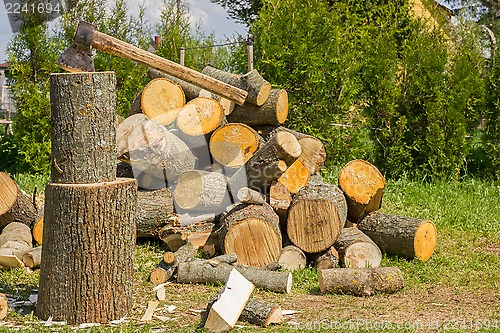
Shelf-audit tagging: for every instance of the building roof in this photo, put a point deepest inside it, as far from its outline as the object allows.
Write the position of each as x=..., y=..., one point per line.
x=5, y=65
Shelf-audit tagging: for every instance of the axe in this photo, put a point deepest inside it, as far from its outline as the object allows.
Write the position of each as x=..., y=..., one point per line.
x=78, y=58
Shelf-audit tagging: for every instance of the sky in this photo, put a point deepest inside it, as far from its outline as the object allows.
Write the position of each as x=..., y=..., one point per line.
x=212, y=17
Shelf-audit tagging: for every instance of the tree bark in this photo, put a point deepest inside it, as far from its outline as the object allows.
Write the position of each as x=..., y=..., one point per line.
x=88, y=253
x=273, y=112
x=15, y=205
x=155, y=210
x=399, y=235
x=326, y=259
x=164, y=271
x=252, y=232
x=363, y=186
x=202, y=271
x=248, y=196
x=357, y=250
x=361, y=281
x=159, y=97
x=316, y=216
x=200, y=116
x=292, y=258
x=262, y=313
x=258, y=89
x=200, y=233
x=232, y=145
x=83, y=128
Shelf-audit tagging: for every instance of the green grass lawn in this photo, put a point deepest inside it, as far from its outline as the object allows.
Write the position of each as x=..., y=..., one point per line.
x=458, y=285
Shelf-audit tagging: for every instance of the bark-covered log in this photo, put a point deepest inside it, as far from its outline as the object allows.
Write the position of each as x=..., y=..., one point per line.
x=155, y=210
x=33, y=258
x=89, y=232
x=280, y=199
x=145, y=181
x=248, y=196
x=123, y=131
x=316, y=216
x=154, y=150
x=262, y=313
x=232, y=145
x=202, y=271
x=200, y=116
x=399, y=235
x=363, y=186
x=202, y=191
x=15, y=241
x=357, y=250
x=292, y=258
x=158, y=98
x=326, y=259
x=252, y=232
x=165, y=270
x=295, y=177
x=15, y=204
x=361, y=281
x=83, y=128
x=258, y=89
x=200, y=233
x=273, y=112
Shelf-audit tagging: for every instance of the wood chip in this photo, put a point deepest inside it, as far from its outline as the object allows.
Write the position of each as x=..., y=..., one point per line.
x=148, y=315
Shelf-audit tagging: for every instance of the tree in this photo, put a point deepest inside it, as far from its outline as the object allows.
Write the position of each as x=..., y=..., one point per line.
x=242, y=11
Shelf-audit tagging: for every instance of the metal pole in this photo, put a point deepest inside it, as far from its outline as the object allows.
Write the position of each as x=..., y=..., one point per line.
x=183, y=55
x=250, y=40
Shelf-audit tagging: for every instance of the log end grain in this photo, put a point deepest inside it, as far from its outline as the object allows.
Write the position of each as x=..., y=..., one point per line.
x=425, y=240
x=263, y=93
x=234, y=144
x=362, y=255
x=292, y=258
x=282, y=106
x=295, y=177
x=37, y=230
x=200, y=116
x=160, y=96
x=8, y=192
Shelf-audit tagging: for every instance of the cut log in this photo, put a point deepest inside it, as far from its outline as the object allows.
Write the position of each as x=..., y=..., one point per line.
x=123, y=131
x=87, y=228
x=292, y=258
x=15, y=204
x=232, y=145
x=145, y=181
x=200, y=116
x=227, y=105
x=83, y=108
x=272, y=160
x=280, y=199
x=158, y=98
x=399, y=235
x=316, y=216
x=152, y=149
x=202, y=271
x=326, y=259
x=361, y=281
x=357, y=250
x=4, y=306
x=363, y=185
x=225, y=311
x=263, y=313
x=15, y=241
x=164, y=271
x=295, y=177
x=33, y=258
x=37, y=230
x=273, y=112
x=248, y=196
x=202, y=191
x=252, y=232
x=155, y=210
x=258, y=89
x=200, y=233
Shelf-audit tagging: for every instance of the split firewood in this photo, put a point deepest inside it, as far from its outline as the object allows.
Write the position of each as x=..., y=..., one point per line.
x=280, y=199
x=361, y=281
x=326, y=259
x=233, y=144
x=272, y=160
x=15, y=204
x=201, y=234
x=15, y=241
x=168, y=265
x=292, y=258
x=155, y=209
x=357, y=250
x=33, y=258
x=4, y=306
x=200, y=116
x=262, y=313
x=399, y=235
x=198, y=190
x=363, y=185
x=316, y=216
x=151, y=148
x=257, y=225
x=148, y=315
x=191, y=91
x=248, y=196
x=273, y=112
x=258, y=89
x=224, y=312
x=295, y=177
x=37, y=229
x=158, y=97
x=202, y=271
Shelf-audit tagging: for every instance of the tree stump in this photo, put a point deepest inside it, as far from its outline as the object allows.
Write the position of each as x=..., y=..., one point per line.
x=357, y=250
x=316, y=216
x=15, y=205
x=83, y=127
x=154, y=210
x=89, y=237
x=363, y=186
x=407, y=237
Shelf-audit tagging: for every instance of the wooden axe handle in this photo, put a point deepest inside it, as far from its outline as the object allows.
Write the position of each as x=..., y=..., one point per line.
x=119, y=48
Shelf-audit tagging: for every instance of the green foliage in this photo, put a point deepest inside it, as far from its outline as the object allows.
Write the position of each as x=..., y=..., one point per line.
x=491, y=139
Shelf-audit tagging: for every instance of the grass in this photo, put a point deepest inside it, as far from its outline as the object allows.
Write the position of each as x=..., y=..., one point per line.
x=461, y=279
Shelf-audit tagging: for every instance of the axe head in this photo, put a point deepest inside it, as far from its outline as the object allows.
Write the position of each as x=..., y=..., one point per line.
x=78, y=57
